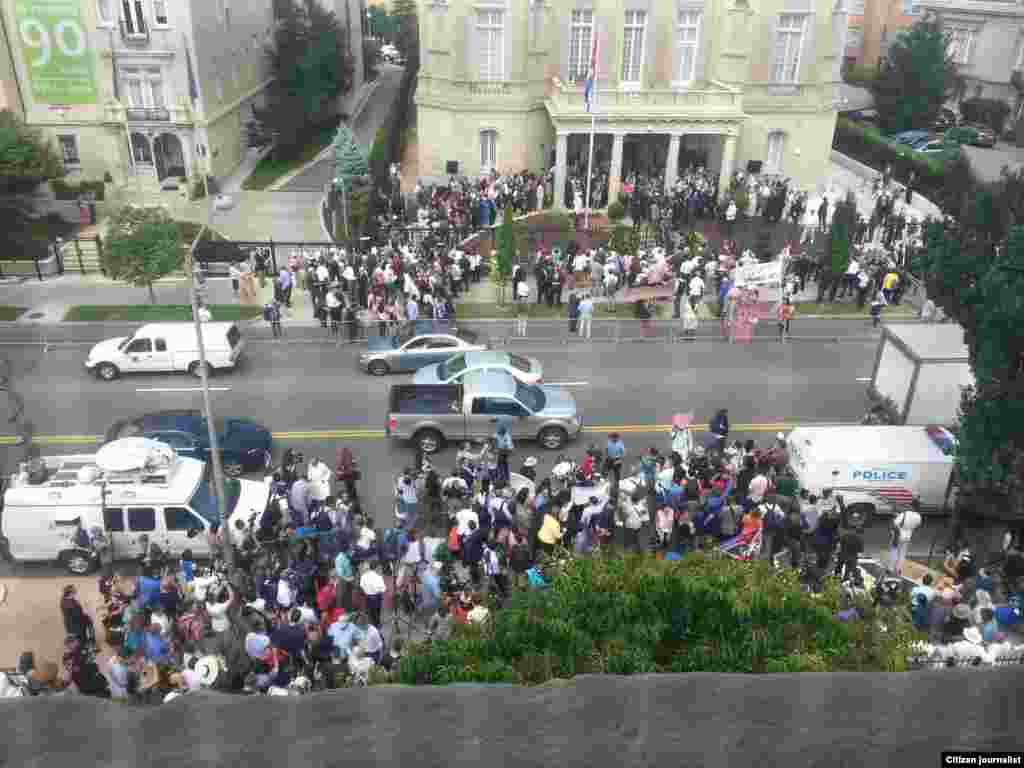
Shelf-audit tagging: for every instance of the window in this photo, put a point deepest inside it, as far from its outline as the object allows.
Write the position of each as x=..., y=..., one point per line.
x=179, y=519
x=857, y=8
x=490, y=29
x=443, y=344
x=776, y=151
x=161, y=345
x=688, y=43
x=497, y=406
x=789, y=39
x=179, y=441
x=854, y=37
x=141, y=519
x=633, y=46
x=1019, y=64
x=218, y=87
x=139, y=346
x=160, y=13
x=104, y=12
x=141, y=152
x=69, y=149
x=133, y=17
x=145, y=87
x=580, y=41
x=488, y=149
x=113, y=519
x=961, y=44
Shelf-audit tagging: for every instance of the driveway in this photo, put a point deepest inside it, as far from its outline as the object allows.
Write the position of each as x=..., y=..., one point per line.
x=366, y=126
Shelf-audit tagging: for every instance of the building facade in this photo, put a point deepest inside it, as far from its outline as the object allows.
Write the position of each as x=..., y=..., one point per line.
x=147, y=91
x=718, y=83
x=987, y=43
x=873, y=26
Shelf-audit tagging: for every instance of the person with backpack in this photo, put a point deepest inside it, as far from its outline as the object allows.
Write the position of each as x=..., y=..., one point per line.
x=473, y=552
x=494, y=568
x=432, y=494
x=773, y=530
x=793, y=530
x=415, y=559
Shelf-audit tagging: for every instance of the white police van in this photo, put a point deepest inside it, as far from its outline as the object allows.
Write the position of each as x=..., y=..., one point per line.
x=878, y=470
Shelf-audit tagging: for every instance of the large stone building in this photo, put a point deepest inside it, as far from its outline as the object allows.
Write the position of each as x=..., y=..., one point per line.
x=145, y=90
x=680, y=82
x=873, y=26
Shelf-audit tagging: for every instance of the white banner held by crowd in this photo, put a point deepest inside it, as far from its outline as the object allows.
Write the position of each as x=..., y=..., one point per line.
x=765, y=275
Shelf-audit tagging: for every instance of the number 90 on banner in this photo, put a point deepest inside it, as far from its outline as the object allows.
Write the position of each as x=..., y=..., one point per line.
x=55, y=49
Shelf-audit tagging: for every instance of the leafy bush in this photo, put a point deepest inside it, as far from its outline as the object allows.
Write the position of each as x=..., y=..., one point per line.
x=616, y=212
x=636, y=615
x=961, y=135
x=64, y=190
x=870, y=147
x=990, y=112
x=861, y=75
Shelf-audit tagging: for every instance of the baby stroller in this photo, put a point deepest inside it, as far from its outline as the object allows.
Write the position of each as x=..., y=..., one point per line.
x=743, y=549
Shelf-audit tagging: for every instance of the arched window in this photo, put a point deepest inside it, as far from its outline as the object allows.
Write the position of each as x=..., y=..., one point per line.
x=488, y=149
x=776, y=152
x=141, y=151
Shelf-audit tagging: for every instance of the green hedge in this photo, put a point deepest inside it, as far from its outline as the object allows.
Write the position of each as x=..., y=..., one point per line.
x=869, y=146
x=65, y=190
x=635, y=615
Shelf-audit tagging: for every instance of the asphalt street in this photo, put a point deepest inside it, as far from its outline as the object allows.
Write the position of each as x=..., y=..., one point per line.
x=315, y=399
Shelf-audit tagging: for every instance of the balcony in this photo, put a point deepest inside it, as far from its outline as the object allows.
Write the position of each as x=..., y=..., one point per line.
x=769, y=97
x=135, y=31
x=147, y=114
x=567, y=101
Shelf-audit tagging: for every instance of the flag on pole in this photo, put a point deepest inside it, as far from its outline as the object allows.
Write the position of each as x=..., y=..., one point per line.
x=588, y=89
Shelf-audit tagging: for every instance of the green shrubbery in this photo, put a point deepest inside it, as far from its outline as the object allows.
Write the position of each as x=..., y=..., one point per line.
x=869, y=146
x=634, y=614
x=65, y=190
x=616, y=212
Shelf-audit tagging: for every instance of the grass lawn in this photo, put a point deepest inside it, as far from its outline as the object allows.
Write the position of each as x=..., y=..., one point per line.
x=269, y=170
x=10, y=313
x=155, y=313
x=492, y=310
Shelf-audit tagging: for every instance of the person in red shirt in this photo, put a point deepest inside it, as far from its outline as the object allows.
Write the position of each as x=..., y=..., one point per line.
x=784, y=315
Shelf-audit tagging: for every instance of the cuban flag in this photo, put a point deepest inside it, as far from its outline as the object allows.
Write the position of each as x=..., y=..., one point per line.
x=588, y=88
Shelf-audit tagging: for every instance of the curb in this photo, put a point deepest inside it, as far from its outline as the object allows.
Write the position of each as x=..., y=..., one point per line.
x=369, y=89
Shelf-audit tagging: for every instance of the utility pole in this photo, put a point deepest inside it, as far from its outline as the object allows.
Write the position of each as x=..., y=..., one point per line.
x=195, y=273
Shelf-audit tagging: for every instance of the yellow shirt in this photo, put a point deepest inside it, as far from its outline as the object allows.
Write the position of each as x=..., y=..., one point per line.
x=890, y=281
x=550, y=530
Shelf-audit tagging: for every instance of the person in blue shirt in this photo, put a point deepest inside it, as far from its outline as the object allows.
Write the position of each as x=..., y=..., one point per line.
x=615, y=452
x=187, y=566
x=154, y=648
x=504, y=445
x=147, y=592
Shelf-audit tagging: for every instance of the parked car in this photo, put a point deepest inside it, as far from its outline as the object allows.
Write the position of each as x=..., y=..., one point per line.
x=925, y=140
x=983, y=136
x=245, y=446
x=167, y=347
x=525, y=369
x=910, y=137
x=945, y=120
x=934, y=147
x=864, y=116
x=417, y=347
x=431, y=414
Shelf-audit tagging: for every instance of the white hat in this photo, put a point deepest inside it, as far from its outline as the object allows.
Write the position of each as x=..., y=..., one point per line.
x=207, y=670
x=973, y=635
x=962, y=611
x=171, y=696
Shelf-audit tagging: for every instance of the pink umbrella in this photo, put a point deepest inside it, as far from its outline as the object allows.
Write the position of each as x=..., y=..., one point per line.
x=682, y=420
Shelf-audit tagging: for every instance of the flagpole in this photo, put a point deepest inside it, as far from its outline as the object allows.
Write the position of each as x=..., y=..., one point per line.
x=593, y=126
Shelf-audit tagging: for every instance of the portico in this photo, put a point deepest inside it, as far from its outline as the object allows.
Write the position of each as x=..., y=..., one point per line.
x=656, y=133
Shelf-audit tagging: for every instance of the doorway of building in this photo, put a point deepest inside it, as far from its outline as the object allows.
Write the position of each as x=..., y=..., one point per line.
x=169, y=156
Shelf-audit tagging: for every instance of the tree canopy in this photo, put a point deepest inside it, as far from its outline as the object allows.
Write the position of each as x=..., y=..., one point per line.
x=504, y=253
x=26, y=156
x=310, y=69
x=916, y=78
x=974, y=270
x=407, y=32
x=349, y=160
x=142, y=246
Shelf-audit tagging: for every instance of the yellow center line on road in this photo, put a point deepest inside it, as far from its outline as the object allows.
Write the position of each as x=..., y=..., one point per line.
x=374, y=434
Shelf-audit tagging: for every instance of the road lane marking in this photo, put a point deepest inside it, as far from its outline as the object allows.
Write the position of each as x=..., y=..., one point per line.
x=566, y=383
x=181, y=389
x=372, y=434
x=863, y=378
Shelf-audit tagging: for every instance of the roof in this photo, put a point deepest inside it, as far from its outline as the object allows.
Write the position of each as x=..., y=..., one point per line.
x=862, y=444
x=595, y=721
x=931, y=341
x=489, y=383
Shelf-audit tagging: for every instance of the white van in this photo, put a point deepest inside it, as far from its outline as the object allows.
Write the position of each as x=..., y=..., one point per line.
x=166, y=347
x=877, y=469
x=149, y=490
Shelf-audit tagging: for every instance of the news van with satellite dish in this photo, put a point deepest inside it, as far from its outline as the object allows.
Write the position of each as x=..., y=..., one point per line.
x=878, y=470
x=130, y=491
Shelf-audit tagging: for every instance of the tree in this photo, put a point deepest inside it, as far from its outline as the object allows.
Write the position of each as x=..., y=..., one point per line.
x=310, y=69
x=143, y=245
x=838, y=244
x=349, y=160
x=407, y=32
x=918, y=76
x=504, y=254
x=974, y=270
x=380, y=23
x=26, y=157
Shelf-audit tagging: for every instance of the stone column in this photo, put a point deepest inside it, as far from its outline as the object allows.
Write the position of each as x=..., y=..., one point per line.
x=561, y=152
x=615, y=171
x=728, y=157
x=672, y=162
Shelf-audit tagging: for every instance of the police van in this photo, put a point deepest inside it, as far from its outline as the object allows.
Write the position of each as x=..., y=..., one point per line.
x=878, y=470
x=129, y=488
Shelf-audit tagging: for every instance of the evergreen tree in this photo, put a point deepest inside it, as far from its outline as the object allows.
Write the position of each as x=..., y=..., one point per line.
x=918, y=76
x=505, y=254
x=838, y=244
x=349, y=160
x=26, y=157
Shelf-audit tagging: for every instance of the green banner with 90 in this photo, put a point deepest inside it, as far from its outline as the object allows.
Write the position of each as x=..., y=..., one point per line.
x=60, y=64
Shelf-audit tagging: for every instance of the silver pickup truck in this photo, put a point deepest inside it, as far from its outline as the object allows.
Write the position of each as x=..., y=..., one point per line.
x=430, y=414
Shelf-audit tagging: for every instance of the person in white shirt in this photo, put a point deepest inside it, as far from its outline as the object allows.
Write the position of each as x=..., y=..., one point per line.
x=366, y=537
x=372, y=643
x=904, y=525
x=307, y=616
x=850, y=281
x=217, y=609
x=696, y=290
x=464, y=516
x=319, y=476
x=373, y=586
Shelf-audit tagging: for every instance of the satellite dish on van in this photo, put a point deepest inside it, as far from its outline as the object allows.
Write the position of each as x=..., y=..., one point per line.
x=87, y=475
x=132, y=454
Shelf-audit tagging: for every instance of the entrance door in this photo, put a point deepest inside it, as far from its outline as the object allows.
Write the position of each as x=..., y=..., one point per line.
x=169, y=157
x=179, y=522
